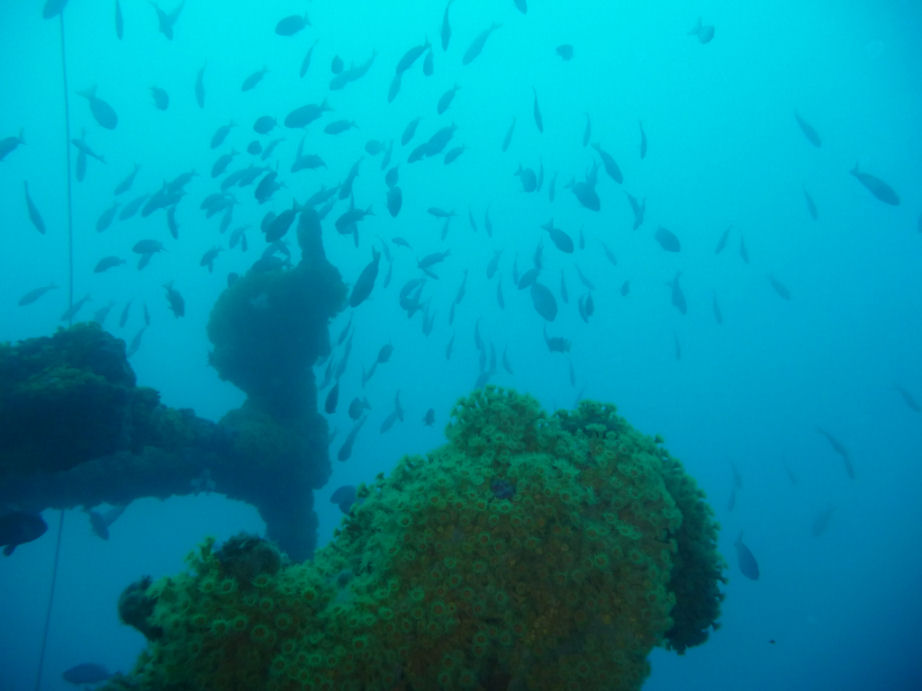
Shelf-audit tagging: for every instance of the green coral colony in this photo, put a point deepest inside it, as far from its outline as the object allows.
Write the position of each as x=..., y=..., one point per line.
x=532, y=551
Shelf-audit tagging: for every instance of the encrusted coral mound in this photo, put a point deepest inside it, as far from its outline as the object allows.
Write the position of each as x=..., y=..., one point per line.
x=532, y=551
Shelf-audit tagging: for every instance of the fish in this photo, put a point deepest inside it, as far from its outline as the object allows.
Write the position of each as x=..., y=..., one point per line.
x=722, y=242
x=135, y=344
x=809, y=132
x=394, y=200
x=429, y=63
x=678, y=297
x=521, y=6
x=200, y=87
x=101, y=522
x=72, y=311
x=344, y=497
x=9, y=144
x=332, y=399
x=445, y=33
x=264, y=124
x=667, y=240
x=745, y=559
x=704, y=32
x=336, y=65
x=476, y=46
x=107, y=263
x=306, y=61
x=528, y=178
x=339, y=126
x=611, y=167
x=103, y=113
x=609, y=255
x=18, y=528
x=586, y=306
x=34, y=294
x=411, y=56
x=561, y=240
x=625, y=289
x=840, y=449
x=445, y=99
x=409, y=130
x=565, y=51
x=34, y=214
x=392, y=177
x=811, y=206
x=292, y=24
x=119, y=21
x=779, y=288
x=166, y=20
x=453, y=154
x=643, y=141
x=821, y=521
x=100, y=315
x=221, y=133
x=744, y=253
x=175, y=300
x=352, y=74
x=556, y=344
x=53, y=8
x=209, y=257
x=253, y=79
x=161, y=98
x=718, y=315
x=544, y=302
x=908, y=399
x=639, y=208
x=536, y=111
x=366, y=281
x=358, y=406
x=877, y=187
x=86, y=673
x=127, y=181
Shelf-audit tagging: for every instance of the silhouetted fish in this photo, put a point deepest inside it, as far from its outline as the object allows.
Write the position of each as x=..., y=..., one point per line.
x=667, y=240
x=840, y=449
x=821, y=521
x=749, y=567
x=19, y=527
x=344, y=497
x=877, y=187
x=809, y=132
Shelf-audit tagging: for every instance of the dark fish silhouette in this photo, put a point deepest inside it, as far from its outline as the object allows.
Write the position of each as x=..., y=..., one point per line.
x=667, y=240
x=678, y=297
x=536, y=111
x=704, y=32
x=779, y=288
x=103, y=113
x=344, y=497
x=543, y=301
x=86, y=673
x=840, y=449
x=478, y=43
x=34, y=214
x=809, y=132
x=877, y=187
x=19, y=527
x=749, y=567
x=811, y=206
x=821, y=521
x=908, y=398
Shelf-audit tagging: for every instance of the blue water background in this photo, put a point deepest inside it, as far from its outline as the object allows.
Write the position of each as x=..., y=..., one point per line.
x=839, y=611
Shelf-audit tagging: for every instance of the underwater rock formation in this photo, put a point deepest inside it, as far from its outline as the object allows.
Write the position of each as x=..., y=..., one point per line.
x=532, y=551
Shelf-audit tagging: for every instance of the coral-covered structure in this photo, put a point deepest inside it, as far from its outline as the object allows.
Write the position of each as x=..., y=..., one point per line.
x=75, y=430
x=529, y=552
